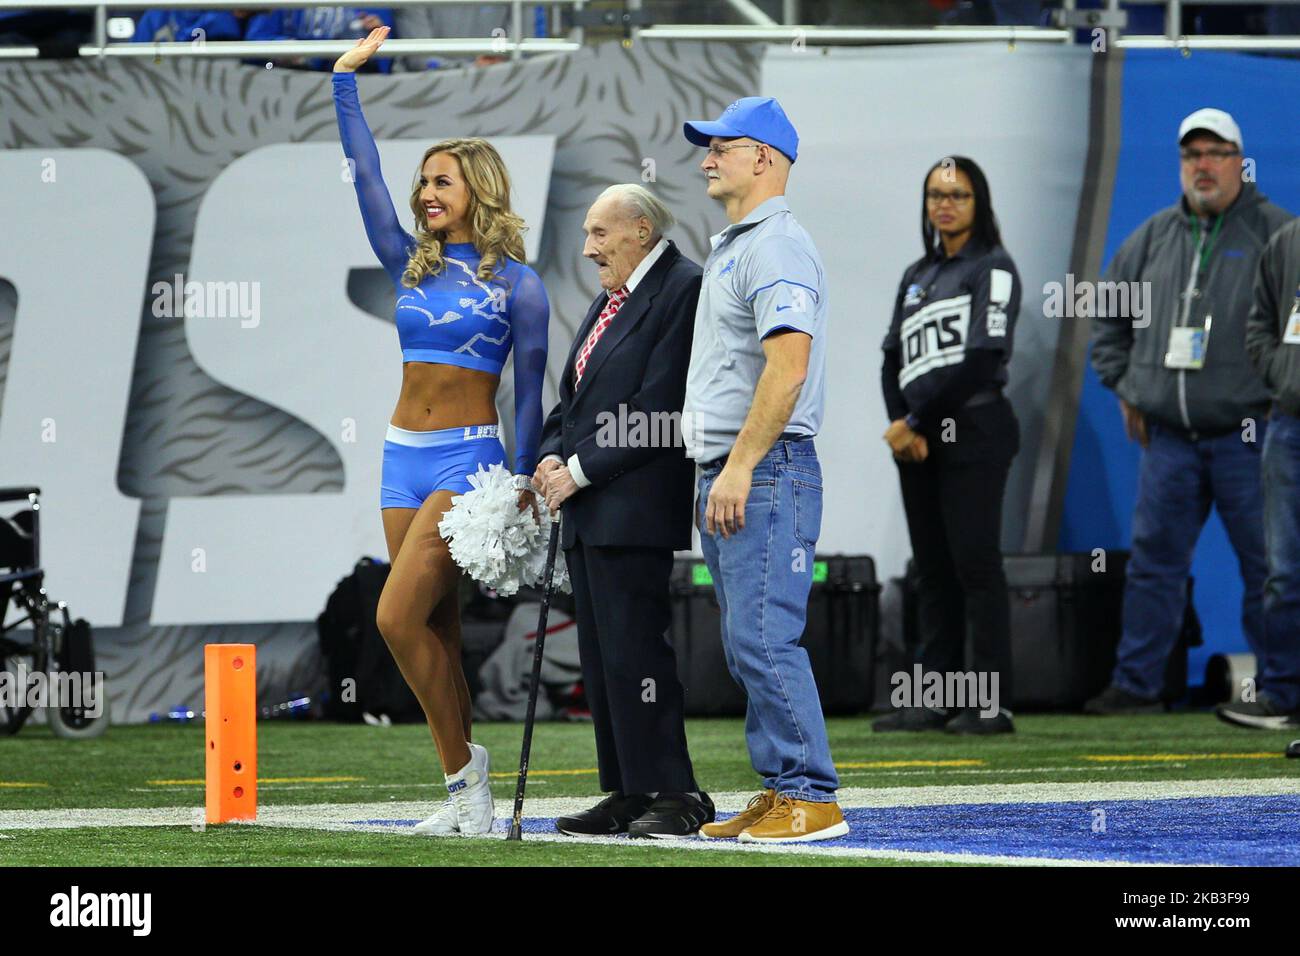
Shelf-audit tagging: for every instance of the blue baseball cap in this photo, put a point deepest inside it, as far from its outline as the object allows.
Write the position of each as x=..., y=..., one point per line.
x=758, y=117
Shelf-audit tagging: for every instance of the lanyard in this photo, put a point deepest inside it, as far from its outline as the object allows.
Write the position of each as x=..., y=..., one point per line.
x=1209, y=243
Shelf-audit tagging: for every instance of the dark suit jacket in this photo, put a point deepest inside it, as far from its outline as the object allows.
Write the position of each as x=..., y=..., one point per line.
x=640, y=495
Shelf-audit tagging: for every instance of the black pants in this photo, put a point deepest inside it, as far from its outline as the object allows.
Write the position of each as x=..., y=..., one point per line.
x=953, y=502
x=629, y=670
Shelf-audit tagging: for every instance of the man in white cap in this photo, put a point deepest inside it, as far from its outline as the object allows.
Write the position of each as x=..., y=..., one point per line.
x=1190, y=397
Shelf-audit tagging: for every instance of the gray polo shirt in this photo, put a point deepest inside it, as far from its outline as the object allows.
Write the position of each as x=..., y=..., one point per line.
x=763, y=275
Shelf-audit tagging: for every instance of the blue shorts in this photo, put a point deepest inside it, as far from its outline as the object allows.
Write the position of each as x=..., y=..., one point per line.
x=416, y=464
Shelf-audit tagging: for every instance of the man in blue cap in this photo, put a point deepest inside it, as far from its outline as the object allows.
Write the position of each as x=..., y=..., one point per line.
x=754, y=400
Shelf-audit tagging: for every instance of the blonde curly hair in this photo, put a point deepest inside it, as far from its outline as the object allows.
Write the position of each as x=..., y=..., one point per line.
x=497, y=232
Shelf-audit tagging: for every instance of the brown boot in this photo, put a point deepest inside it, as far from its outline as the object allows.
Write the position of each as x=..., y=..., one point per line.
x=797, y=821
x=730, y=829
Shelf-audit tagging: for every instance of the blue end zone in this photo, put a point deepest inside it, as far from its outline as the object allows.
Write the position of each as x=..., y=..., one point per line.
x=1224, y=831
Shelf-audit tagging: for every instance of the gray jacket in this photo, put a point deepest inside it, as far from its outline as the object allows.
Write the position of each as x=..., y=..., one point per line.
x=1131, y=361
x=1277, y=290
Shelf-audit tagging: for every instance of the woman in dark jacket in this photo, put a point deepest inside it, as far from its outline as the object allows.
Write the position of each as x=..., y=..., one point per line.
x=953, y=434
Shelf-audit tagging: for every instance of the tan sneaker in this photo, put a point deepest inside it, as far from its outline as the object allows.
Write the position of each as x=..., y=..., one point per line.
x=796, y=821
x=730, y=829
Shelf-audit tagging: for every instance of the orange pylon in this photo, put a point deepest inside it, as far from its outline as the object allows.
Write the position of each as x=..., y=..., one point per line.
x=230, y=698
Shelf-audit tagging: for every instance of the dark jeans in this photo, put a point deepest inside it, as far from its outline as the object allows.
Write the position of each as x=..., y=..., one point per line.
x=1178, y=480
x=953, y=501
x=629, y=670
x=1279, y=665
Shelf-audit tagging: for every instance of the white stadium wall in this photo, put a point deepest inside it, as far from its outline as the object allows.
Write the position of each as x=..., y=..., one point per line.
x=871, y=122
x=202, y=483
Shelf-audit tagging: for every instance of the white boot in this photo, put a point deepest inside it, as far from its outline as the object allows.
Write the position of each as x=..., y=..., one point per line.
x=442, y=823
x=471, y=792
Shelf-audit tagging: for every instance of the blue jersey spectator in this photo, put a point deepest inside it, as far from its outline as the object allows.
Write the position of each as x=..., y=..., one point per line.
x=321, y=23
x=165, y=26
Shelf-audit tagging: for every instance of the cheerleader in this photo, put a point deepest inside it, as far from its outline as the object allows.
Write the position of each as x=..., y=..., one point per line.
x=464, y=298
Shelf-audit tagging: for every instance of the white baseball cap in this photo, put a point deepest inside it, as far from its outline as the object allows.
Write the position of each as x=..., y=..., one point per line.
x=1214, y=121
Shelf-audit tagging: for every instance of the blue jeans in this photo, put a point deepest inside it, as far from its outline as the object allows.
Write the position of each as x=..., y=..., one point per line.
x=762, y=576
x=1279, y=665
x=1178, y=480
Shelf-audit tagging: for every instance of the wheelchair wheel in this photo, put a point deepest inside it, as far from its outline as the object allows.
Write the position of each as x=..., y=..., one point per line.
x=73, y=723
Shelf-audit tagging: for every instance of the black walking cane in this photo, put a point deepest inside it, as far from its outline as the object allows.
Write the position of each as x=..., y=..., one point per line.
x=516, y=831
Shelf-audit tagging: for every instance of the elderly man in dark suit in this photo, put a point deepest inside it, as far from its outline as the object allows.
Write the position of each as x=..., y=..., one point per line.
x=612, y=458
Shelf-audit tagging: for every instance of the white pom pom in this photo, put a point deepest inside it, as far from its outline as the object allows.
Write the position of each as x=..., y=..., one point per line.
x=497, y=544
x=535, y=573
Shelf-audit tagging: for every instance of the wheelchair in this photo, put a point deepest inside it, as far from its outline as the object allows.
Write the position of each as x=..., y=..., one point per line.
x=57, y=644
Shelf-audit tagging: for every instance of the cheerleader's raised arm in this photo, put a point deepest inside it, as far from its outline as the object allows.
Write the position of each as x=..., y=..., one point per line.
x=391, y=243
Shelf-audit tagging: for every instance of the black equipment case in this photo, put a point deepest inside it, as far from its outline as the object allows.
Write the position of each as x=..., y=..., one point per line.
x=840, y=636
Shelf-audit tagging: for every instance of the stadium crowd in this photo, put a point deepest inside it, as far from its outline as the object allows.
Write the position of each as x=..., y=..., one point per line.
x=59, y=32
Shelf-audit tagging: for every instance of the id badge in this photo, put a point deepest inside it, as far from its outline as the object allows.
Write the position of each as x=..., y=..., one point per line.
x=1292, y=336
x=1186, y=348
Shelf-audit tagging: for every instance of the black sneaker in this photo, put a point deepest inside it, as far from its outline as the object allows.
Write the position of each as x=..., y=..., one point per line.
x=673, y=815
x=970, y=721
x=1260, y=714
x=1116, y=700
x=612, y=815
x=911, y=718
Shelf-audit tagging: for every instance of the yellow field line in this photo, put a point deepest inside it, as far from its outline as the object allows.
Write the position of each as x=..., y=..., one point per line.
x=199, y=783
x=19, y=786
x=1126, y=758
x=889, y=764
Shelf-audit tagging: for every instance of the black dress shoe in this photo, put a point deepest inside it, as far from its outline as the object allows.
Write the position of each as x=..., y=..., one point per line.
x=1115, y=700
x=673, y=815
x=970, y=721
x=911, y=719
x=607, y=818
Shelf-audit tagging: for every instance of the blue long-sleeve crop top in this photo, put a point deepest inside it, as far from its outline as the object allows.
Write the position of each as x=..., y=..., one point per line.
x=453, y=318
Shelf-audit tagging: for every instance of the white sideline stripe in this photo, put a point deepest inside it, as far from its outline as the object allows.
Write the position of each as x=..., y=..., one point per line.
x=71, y=819
x=309, y=820
x=950, y=771
x=338, y=815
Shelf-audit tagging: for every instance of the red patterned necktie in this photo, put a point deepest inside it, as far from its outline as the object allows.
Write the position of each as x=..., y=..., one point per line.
x=616, y=300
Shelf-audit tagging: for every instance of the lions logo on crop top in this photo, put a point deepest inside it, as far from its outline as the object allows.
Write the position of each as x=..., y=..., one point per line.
x=486, y=302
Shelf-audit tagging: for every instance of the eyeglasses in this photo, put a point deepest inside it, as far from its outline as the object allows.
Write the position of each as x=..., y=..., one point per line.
x=959, y=197
x=716, y=152
x=1216, y=155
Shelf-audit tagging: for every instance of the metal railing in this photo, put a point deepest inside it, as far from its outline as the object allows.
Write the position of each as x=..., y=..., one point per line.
x=758, y=27
x=512, y=43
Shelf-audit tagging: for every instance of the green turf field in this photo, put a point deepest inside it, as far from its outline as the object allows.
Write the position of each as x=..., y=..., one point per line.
x=161, y=766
